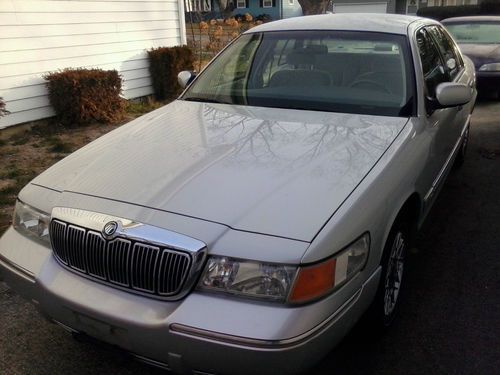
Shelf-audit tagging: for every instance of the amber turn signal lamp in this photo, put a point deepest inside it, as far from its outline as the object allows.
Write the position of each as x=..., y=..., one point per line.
x=313, y=282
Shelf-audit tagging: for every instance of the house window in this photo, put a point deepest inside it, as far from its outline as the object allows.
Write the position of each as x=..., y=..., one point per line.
x=241, y=4
x=199, y=6
x=267, y=4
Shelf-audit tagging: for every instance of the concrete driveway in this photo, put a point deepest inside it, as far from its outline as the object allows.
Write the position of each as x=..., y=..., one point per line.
x=449, y=321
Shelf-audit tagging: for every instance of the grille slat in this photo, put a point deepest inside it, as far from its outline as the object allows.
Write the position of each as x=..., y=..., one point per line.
x=173, y=271
x=76, y=247
x=96, y=255
x=166, y=259
x=170, y=276
x=140, y=273
x=57, y=236
x=118, y=251
x=144, y=263
x=135, y=265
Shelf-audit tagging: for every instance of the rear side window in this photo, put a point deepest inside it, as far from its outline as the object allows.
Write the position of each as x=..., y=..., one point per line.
x=432, y=64
x=452, y=60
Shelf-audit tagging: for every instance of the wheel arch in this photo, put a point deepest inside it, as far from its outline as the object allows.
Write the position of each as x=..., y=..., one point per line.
x=409, y=210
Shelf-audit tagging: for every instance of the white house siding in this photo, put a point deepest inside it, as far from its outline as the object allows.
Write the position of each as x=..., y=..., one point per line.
x=365, y=6
x=42, y=36
x=378, y=7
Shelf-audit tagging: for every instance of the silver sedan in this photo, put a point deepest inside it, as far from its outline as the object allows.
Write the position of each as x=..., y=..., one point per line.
x=246, y=227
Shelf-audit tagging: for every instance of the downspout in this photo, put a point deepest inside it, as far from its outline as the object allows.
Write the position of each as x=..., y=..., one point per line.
x=182, y=22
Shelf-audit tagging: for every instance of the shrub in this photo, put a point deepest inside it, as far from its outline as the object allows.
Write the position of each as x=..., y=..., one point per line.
x=80, y=96
x=164, y=65
x=3, y=111
x=239, y=17
x=263, y=17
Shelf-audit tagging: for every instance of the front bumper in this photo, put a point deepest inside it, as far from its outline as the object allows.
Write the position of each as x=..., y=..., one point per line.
x=202, y=332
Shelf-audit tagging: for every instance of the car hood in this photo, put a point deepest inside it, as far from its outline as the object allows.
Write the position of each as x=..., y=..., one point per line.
x=481, y=53
x=264, y=170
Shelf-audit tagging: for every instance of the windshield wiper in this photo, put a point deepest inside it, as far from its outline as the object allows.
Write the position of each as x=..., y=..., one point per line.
x=204, y=100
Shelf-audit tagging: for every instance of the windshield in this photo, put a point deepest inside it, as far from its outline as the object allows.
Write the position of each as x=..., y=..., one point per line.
x=350, y=72
x=475, y=32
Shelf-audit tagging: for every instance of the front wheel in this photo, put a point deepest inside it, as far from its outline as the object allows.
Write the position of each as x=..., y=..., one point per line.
x=386, y=303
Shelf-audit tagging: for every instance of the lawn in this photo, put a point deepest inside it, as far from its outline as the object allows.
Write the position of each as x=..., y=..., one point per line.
x=27, y=153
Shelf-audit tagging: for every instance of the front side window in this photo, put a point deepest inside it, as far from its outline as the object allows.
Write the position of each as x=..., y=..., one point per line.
x=267, y=3
x=241, y=3
x=335, y=71
x=453, y=63
x=432, y=64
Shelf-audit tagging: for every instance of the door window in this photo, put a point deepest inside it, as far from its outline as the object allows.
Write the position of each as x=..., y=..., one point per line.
x=453, y=63
x=432, y=64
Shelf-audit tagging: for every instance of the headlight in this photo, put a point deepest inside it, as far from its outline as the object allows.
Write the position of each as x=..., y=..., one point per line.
x=284, y=283
x=31, y=222
x=494, y=67
x=247, y=278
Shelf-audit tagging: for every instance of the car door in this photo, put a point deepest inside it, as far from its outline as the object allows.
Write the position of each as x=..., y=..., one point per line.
x=440, y=63
x=455, y=66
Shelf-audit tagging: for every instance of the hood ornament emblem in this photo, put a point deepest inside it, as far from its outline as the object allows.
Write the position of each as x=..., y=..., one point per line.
x=110, y=229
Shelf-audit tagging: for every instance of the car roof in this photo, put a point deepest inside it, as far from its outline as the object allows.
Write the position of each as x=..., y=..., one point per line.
x=372, y=22
x=471, y=18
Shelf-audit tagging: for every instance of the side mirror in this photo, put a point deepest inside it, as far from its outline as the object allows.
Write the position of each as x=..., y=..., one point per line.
x=452, y=94
x=185, y=77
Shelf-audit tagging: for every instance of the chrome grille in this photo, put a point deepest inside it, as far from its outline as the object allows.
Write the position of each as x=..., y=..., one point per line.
x=135, y=265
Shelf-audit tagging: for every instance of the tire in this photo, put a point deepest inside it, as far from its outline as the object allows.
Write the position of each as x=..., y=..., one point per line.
x=386, y=304
x=462, y=152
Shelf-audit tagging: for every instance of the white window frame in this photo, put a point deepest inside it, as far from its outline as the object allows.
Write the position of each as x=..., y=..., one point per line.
x=239, y=2
x=269, y=3
x=199, y=6
x=207, y=5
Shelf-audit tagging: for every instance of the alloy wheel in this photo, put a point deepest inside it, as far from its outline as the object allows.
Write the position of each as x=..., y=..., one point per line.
x=394, y=274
